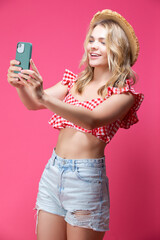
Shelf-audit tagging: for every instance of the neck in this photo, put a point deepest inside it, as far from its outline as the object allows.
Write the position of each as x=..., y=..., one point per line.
x=101, y=75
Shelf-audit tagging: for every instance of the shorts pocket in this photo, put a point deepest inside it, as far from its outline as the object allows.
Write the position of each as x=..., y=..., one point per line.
x=89, y=174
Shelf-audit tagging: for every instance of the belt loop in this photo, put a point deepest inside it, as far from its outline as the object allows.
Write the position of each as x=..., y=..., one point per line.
x=53, y=157
x=54, y=160
x=74, y=165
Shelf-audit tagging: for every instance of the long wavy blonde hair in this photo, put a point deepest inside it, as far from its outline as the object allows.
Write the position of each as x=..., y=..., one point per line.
x=119, y=59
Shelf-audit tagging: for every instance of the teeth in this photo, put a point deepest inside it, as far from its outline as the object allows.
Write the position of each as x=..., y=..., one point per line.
x=94, y=55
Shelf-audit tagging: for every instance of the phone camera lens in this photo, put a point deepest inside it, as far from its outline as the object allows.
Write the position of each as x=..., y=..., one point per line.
x=20, y=48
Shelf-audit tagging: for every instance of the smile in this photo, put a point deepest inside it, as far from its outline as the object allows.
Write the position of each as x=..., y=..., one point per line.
x=94, y=56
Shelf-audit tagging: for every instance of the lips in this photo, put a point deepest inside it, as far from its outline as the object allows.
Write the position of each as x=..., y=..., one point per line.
x=94, y=56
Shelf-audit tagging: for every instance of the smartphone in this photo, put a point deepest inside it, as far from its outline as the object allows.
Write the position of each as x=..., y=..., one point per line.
x=23, y=54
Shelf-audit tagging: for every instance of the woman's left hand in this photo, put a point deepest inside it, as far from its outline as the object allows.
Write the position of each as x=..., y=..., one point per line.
x=33, y=80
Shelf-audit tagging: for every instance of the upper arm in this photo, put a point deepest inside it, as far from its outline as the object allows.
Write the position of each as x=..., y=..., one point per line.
x=58, y=91
x=61, y=89
x=112, y=109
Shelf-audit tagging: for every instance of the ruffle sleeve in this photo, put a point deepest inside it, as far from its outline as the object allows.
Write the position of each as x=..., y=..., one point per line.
x=69, y=78
x=131, y=117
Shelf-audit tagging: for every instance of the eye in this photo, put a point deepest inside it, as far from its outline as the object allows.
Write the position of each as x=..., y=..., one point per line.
x=103, y=43
x=90, y=40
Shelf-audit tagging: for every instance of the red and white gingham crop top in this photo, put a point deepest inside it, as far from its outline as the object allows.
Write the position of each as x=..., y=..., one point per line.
x=104, y=133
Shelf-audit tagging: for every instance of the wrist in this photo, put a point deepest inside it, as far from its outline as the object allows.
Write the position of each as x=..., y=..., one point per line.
x=43, y=100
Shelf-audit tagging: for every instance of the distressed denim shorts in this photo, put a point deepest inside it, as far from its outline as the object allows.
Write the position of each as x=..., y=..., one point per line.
x=77, y=189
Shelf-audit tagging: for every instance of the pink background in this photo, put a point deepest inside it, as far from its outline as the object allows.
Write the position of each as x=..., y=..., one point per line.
x=57, y=31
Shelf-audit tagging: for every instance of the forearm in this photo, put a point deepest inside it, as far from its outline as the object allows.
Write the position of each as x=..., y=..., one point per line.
x=77, y=115
x=27, y=99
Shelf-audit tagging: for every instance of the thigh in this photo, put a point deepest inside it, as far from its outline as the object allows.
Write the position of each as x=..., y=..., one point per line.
x=50, y=226
x=83, y=233
x=85, y=196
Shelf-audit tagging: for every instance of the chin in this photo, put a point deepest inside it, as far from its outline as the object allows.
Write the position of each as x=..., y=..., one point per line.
x=94, y=64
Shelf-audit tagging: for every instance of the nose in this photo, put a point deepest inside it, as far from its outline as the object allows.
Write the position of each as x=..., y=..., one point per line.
x=94, y=45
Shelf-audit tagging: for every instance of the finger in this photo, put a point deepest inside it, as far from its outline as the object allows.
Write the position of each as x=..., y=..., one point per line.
x=16, y=81
x=23, y=76
x=33, y=66
x=27, y=71
x=32, y=74
x=27, y=77
x=14, y=62
x=12, y=79
x=13, y=75
x=14, y=68
x=24, y=81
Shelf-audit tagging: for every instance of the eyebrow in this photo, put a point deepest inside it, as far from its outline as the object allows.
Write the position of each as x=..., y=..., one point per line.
x=101, y=38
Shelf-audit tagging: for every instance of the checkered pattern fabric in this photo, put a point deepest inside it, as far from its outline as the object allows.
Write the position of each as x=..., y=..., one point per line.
x=104, y=133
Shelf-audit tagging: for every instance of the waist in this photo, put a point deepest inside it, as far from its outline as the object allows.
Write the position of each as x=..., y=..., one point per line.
x=92, y=162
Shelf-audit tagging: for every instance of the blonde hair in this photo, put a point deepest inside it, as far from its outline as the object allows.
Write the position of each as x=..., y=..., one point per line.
x=119, y=59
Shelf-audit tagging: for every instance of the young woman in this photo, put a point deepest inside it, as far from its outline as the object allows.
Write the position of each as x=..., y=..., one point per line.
x=73, y=200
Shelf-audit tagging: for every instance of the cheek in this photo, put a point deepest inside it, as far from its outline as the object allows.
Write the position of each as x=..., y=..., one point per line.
x=105, y=53
x=106, y=56
x=88, y=48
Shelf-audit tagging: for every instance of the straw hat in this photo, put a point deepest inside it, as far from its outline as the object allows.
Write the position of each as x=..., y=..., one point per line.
x=109, y=14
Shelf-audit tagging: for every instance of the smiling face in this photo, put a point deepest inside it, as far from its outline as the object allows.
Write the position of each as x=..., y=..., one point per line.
x=96, y=47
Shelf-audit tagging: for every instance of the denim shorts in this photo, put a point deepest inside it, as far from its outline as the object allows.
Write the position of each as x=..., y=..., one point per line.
x=77, y=189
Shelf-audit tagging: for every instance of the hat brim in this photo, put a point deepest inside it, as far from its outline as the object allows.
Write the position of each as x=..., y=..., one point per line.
x=109, y=14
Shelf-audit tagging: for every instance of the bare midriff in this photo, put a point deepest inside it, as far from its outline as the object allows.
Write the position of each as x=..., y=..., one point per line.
x=74, y=144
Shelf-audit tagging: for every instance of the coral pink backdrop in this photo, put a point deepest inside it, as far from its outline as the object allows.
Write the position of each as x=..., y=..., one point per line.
x=57, y=31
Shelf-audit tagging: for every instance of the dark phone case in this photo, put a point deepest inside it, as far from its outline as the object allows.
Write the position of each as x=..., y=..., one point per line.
x=25, y=56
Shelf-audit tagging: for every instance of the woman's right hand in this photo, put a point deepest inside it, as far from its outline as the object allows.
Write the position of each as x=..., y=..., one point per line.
x=13, y=78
